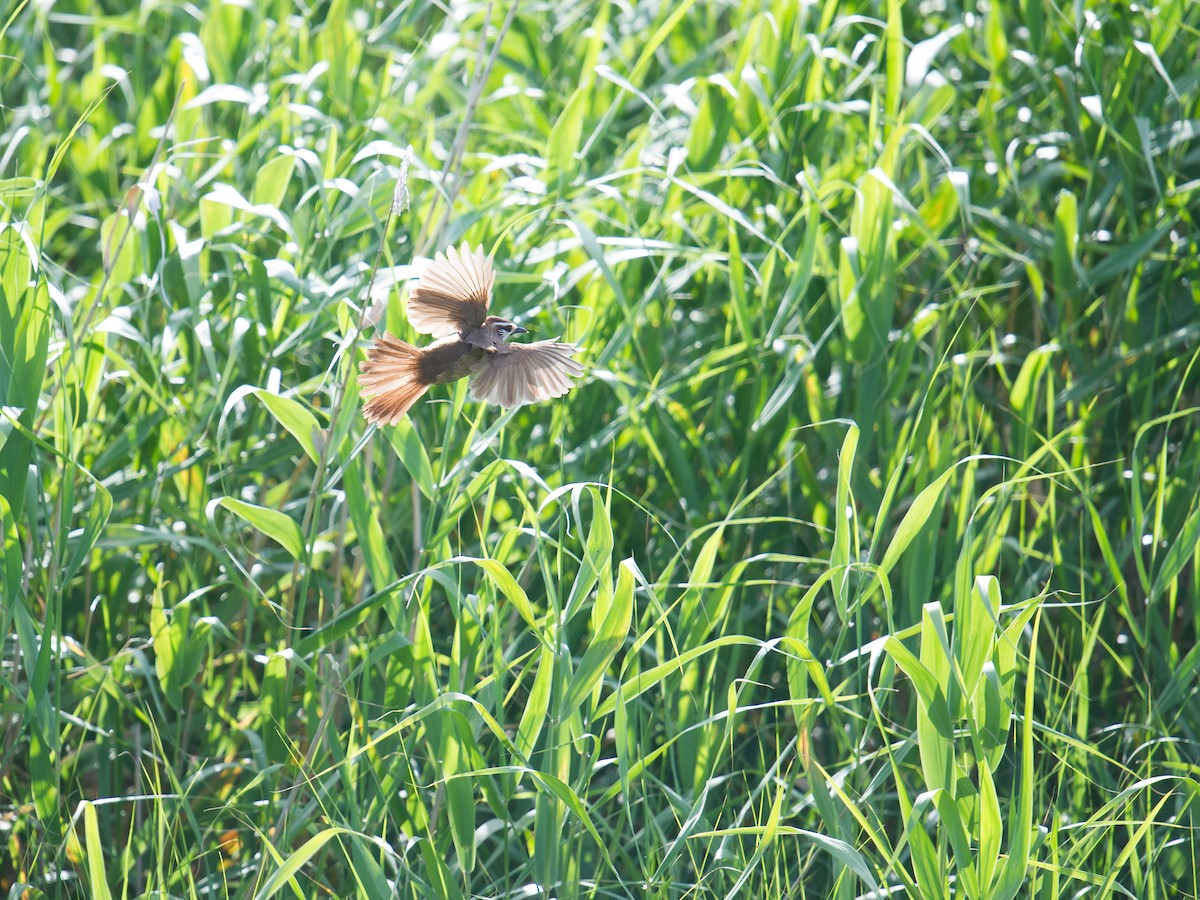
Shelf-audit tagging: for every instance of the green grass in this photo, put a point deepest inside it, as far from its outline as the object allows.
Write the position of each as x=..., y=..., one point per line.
x=864, y=557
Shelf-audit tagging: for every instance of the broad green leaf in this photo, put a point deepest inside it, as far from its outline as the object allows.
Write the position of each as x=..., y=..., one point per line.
x=976, y=617
x=643, y=681
x=797, y=630
x=604, y=646
x=269, y=522
x=991, y=827
x=935, y=734
x=952, y=825
x=25, y=327
x=295, y=417
x=915, y=520
x=1181, y=552
x=180, y=647
x=460, y=792
x=1020, y=818
x=695, y=621
x=566, y=136
x=274, y=708
x=272, y=180
x=286, y=873
x=368, y=526
x=597, y=561
x=95, y=841
x=1066, y=243
x=845, y=523
x=407, y=443
x=507, y=585
x=533, y=716
x=894, y=37
x=928, y=865
x=992, y=710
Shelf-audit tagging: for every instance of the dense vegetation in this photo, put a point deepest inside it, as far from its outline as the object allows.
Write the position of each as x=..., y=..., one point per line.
x=864, y=556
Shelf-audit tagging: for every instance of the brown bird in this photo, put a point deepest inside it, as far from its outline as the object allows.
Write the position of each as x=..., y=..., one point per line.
x=450, y=302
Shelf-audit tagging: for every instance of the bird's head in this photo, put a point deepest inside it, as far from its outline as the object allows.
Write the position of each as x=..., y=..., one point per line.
x=502, y=329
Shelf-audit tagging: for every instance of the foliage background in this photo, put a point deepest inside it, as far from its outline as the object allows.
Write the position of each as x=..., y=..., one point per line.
x=863, y=558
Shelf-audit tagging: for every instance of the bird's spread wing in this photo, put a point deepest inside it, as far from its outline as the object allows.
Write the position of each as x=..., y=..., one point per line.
x=525, y=373
x=453, y=293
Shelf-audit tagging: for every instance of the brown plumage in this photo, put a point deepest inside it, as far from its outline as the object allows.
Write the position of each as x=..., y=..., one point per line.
x=450, y=302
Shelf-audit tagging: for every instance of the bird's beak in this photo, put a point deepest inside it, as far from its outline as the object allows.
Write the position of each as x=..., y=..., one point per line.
x=517, y=329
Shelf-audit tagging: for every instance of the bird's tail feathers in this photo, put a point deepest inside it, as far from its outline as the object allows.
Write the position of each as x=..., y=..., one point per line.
x=391, y=377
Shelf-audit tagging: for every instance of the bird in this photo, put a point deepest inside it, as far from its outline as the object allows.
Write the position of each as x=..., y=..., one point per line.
x=450, y=302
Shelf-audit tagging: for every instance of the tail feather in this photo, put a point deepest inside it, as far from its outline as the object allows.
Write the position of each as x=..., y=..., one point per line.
x=390, y=376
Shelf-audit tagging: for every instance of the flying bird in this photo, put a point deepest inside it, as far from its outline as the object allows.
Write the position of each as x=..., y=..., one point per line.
x=450, y=302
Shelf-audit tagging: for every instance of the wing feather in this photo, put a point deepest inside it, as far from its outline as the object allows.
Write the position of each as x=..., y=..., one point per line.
x=453, y=293
x=525, y=373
